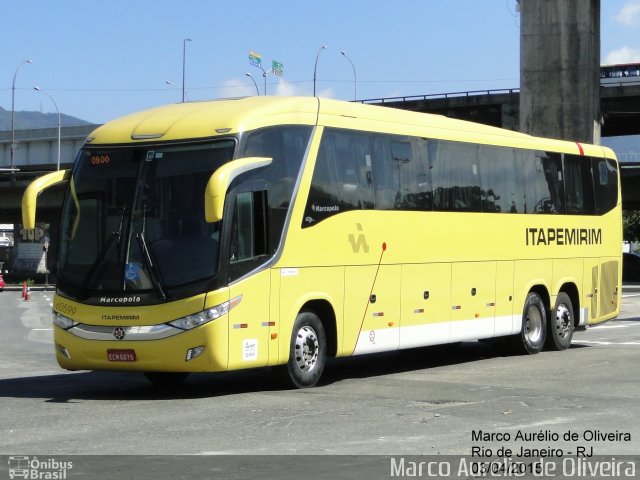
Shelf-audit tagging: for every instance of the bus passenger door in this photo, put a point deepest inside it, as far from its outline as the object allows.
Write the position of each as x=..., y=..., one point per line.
x=473, y=300
x=249, y=322
x=426, y=307
x=372, y=307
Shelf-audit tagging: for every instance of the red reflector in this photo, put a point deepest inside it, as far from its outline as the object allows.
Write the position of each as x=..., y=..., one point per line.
x=121, y=355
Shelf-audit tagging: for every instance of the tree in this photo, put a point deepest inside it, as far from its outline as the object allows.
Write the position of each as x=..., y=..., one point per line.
x=631, y=225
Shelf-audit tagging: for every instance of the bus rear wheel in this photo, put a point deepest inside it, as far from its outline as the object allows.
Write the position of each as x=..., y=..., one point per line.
x=534, y=324
x=561, y=324
x=307, y=351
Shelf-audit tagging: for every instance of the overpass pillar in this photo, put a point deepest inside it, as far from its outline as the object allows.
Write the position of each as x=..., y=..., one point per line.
x=560, y=69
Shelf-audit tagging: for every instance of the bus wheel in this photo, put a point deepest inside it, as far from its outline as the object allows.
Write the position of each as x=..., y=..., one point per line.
x=560, y=330
x=166, y=379
x=307, y=351
x=534, y=324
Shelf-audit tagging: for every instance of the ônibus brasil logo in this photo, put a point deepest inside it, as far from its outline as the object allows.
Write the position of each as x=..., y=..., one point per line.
x=40, y=469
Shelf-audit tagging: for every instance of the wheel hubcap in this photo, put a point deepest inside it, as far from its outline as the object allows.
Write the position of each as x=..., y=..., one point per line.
x=307, y=347
x=534, y=324
x=563, y=321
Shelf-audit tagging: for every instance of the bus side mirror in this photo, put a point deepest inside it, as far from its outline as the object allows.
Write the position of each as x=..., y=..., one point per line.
x=35, y=188
x=219, y=182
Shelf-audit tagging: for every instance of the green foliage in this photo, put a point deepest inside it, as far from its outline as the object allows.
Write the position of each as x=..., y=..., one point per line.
x=631, y=225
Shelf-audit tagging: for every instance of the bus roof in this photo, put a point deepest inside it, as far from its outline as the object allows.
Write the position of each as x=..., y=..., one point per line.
x=198, y=120
x=206, y=119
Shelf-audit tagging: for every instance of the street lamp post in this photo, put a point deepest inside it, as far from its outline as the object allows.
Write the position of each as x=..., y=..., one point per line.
x=184, y=55
x=264, y=76
x=355, y=78
x=254, y=83
x=13, y=113
x=59, y=121
x=176, y=86
x=315, y=69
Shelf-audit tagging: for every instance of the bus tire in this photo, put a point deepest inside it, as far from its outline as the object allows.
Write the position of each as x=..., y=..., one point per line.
x=307, y=351
x=166, y=379
x=534, y=324
x=561, y=326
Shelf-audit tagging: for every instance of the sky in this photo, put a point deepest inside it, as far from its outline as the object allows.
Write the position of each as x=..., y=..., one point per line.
x=100, y=60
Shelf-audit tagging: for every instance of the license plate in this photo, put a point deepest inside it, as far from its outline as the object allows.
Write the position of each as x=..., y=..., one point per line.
x=121, y=355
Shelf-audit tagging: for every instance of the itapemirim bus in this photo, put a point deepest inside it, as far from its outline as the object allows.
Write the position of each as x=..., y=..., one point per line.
x=274, y=231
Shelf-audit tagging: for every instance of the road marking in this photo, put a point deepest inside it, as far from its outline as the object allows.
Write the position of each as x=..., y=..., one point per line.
x=629, y=295
x=596, y=364
x=599, y=342
x=42, y=329
x=603, y=327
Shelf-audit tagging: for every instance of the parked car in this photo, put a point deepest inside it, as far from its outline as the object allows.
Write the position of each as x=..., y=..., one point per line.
x=630, y=267
x=1, y=283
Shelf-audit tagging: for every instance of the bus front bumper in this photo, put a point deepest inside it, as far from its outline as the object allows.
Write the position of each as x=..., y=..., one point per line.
x=85, y=347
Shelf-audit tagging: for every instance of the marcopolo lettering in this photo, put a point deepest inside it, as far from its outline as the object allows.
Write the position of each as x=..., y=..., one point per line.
x=325, y=209
x=563, y=236
x=132, y=299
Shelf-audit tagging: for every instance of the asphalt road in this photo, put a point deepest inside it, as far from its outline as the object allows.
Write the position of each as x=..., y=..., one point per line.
x=455, y=400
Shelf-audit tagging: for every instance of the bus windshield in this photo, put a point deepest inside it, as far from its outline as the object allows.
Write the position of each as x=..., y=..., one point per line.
x=134, y=220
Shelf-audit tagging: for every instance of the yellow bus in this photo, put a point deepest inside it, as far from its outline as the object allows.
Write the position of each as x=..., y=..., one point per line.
x=276, y=231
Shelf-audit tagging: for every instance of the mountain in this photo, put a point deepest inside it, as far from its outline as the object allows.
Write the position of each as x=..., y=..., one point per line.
x=26, y=120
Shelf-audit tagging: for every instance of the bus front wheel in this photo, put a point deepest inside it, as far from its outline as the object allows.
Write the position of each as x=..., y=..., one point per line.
x=561, y=326
x=534, y=324
x=307, y=351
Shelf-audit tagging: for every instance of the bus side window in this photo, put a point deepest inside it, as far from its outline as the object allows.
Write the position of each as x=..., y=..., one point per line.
x=605, y=184
x=542, y=171
x=385, y=173
x=455, y=173
x=249, y=228
x=286, y=146
x=412, y=159
x=501, y=180
x=354, y=167
x=578, y=185
x=342, y=177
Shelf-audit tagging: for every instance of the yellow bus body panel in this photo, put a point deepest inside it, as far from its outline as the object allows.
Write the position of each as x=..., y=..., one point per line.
x=392, y=279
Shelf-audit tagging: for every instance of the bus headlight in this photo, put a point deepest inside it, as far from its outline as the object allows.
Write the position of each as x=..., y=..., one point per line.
x=200, y=318
x=63, y=322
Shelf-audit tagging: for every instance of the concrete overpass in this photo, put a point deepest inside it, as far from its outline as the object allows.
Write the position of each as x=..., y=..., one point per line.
x=36, y=154
x=619, y=106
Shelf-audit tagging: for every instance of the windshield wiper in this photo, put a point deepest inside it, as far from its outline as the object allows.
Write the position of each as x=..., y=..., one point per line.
x=99, y=261
x=153, y=273
x=146, y=255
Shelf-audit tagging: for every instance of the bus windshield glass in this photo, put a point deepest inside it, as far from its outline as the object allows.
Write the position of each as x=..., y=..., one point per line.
x=134, y=220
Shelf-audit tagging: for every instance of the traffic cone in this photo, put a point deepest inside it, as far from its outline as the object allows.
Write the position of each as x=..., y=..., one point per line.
x=24, y=290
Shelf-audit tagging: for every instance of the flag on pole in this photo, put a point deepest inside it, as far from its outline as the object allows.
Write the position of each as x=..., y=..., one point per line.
x=255, y=59
x=277, y=68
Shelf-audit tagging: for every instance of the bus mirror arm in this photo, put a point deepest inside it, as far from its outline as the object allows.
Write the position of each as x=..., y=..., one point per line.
x=35, y=188
x=215, y=193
